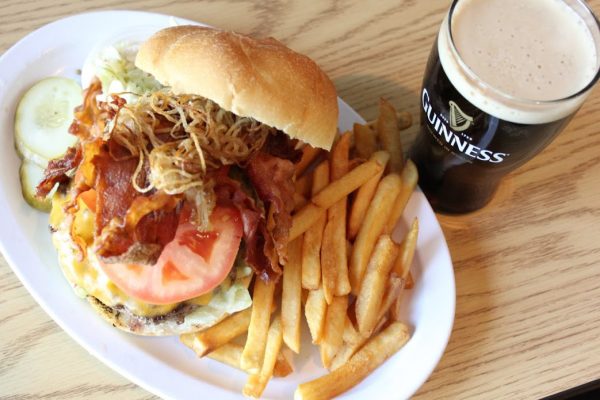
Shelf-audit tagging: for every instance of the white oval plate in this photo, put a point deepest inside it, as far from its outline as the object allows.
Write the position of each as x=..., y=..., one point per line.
x=162, y=365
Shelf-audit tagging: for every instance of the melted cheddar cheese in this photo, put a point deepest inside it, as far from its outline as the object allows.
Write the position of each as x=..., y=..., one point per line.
x=86, y=275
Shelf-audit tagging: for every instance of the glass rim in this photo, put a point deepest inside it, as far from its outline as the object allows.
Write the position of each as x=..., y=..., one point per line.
x=523, y=100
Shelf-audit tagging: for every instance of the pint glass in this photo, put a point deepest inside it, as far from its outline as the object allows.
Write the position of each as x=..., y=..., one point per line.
x=504, y=77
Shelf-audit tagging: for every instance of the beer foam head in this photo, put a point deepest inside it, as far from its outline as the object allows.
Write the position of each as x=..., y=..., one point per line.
x=524, y=62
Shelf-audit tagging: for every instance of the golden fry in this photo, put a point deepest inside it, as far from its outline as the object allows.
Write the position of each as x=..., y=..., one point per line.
x=350, y=335
x=346, y=352
x=299, y=201
x=389, y=134
x=303, y=185
x=291, y=296
x=262, y=301
x=372, y=226
x=407, y=251
x=231, y=353
x=309, y=154
x=372, y=288
x=304, y=219
x=336, y=216
x=404, y=120
x=328, y=262
x=410, y=281
x=340, y=188
x=205, y=341
x=339, y=157
x=365, y=141
x=410, y=176
x=257, y=382
x=311, y=249
x=394, y=288
x=331, y=194
x=366, y=360
x=333, y=333
x=363, y=198
x=315, y=311
x=311, y=254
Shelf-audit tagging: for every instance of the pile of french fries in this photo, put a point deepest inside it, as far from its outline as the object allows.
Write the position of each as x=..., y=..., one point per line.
x=344, y=269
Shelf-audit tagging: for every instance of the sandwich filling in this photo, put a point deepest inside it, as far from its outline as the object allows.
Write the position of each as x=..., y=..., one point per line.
x=145, y=170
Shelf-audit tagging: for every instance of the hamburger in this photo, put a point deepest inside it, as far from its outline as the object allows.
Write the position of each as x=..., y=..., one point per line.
x=167, y=206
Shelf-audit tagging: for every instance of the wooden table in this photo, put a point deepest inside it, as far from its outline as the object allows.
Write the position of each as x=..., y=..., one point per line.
x=527, y=266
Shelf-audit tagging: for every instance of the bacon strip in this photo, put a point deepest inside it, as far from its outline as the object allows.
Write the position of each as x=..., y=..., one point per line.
x=272, y=178
x=131, y=227
x=258, y=244
x=57, y=171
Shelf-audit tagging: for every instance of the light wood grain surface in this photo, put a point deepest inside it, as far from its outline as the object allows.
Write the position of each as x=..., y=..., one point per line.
x=527, y=266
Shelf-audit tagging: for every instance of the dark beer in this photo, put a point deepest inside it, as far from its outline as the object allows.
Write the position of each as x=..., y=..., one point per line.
x=463, y=149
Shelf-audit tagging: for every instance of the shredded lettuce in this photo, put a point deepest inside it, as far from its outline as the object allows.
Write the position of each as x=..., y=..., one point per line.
x=115, y=67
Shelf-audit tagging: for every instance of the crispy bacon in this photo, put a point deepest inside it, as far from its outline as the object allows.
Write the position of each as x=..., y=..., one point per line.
x=272, y=178
x=258, y=244
x=92, y=116
x=132, y=227
x=57, y=171
x=150, y=224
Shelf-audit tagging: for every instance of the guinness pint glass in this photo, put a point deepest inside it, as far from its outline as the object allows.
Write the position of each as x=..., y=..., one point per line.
x=504, y=77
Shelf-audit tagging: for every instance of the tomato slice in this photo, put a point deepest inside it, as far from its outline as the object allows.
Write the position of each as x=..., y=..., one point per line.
x=192, y=264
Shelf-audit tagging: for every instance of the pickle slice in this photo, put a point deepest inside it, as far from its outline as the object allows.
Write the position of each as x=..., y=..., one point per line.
x=31, y=175
x=43, y=117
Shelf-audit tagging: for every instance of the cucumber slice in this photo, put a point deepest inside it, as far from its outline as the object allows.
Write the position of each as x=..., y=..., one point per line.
x=43, y=117
x=31, y=175
x=26, y=154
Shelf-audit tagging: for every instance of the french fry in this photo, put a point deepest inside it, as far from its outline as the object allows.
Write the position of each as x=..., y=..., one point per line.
x=363, y=198
x=372, y=355
x=365, y=141
x=381, y=323
x=331, y=194
x=328, y=263
x=303, y=185
x=372, y=288
x=410, y=176
x=350, y=335
x=311, y=249
x=407, y=251
x=291, y=296
x=340, y=188
x=304, y=219
x=336, y=216
x=410, y=281
x=373, y=224
x=404, y=120
x=403, y=262
x=315, y=311
x=282, y=366
x=231, y=353
x=205, y=341
x=352, y=342
x=256, y=383
x=262, y=301
x=333, y=333
x=389, y=134
x=309, y=154
x=394, y=288
x=299, y=201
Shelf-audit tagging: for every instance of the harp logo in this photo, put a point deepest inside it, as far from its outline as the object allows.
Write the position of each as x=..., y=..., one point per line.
x=449, y=133
x=459, y=121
